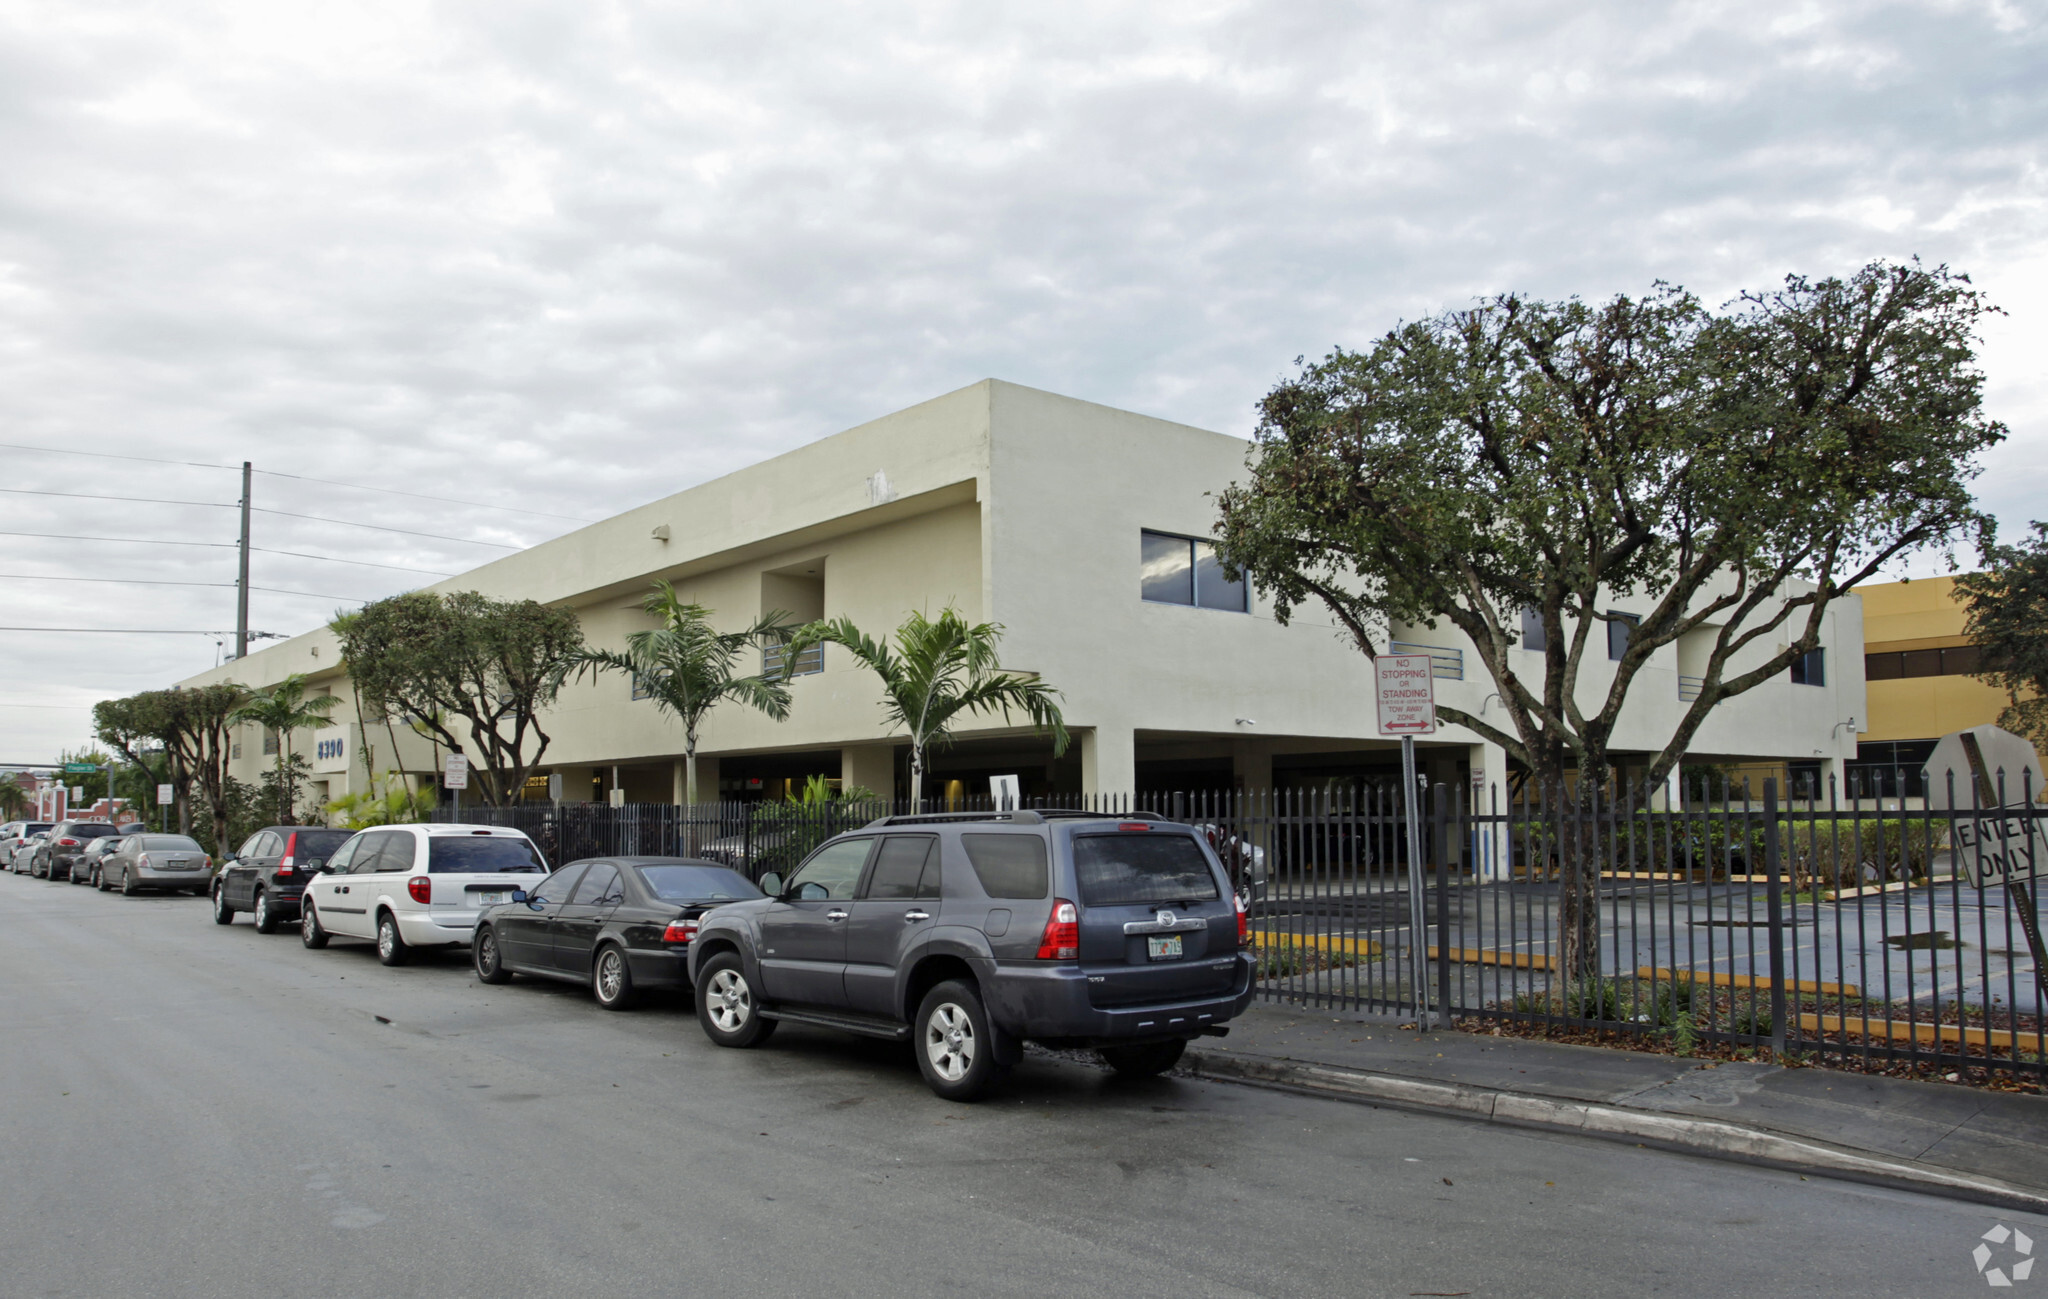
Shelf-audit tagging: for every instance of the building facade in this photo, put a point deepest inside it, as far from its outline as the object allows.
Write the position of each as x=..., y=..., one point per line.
x=1083, y=531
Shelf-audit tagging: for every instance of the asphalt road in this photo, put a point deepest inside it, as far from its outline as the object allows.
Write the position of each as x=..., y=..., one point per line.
x=189, y=1110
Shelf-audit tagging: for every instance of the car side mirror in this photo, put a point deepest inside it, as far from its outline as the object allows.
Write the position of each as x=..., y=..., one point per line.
x=771, y=884
x=519, y=895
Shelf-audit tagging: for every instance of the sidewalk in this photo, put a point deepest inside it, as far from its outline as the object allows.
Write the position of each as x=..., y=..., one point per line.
x=1959, y=1141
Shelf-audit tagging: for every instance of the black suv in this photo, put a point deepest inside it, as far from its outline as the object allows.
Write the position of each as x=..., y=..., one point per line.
x=268, y=875
x=970, y=933
x=66, y=845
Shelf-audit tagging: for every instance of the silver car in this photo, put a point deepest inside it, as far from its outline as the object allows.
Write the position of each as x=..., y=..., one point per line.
x=87, y=871
x=23, y=859
x=14, y=837
x=165, y=862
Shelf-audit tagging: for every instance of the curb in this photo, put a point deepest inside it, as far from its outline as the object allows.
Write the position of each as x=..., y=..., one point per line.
x=1715, y=1139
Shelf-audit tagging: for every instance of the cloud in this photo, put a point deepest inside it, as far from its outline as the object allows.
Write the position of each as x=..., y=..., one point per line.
x=566, y=258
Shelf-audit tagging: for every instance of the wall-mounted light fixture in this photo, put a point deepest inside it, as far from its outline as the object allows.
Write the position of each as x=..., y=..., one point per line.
x=660, y=532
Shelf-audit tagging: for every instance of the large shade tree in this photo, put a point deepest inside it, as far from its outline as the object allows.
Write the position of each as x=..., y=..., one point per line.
x=688, y=668
x=939, y=671
x=282, y=710
x=193, y=727
x=470, y=672
x=1726, y=475
x=2007, y=608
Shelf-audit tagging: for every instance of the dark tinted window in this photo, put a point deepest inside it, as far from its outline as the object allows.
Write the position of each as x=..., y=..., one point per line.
x=1621, y=628
x=311, y=847
x=1166, y=569
x=251, y=847
x=1810, y=668
x=1881, y=667
x=600, y=886
x=1920, y=663
x=557, y=887
x=1125, y=869
x=901, y=865
x=36, y=827
x=697, y=883
x=1532, y=629
x=92, y=830
x=481, y=854
x=339, y=862
x=394, y=849
x=1008, y=865
x=163, y=843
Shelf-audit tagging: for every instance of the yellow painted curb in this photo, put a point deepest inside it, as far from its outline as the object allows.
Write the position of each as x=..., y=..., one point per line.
x=1364, y=948
x=1723, y=979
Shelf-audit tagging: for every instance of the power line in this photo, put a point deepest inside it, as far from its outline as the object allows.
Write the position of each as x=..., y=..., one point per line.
x=147, y=631
x=109, y=455
x=450, y=500
x=138, y=500
x=147, y=581
x=137, y=541
x=378, y=527
x=431, y=572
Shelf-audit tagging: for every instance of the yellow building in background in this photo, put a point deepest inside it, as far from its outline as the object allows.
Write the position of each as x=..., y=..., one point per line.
x=1917, y=666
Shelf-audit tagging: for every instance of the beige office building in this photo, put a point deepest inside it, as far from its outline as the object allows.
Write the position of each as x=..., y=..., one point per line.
x=1082, y=529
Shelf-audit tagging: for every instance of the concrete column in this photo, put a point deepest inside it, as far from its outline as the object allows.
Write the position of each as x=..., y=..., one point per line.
x=1251, y=762
x=1109, y=762
x=1487, y=795
x=872, y=766
x=679, y=778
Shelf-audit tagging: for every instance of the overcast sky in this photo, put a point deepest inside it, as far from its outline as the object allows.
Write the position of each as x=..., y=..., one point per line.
x=562, y=258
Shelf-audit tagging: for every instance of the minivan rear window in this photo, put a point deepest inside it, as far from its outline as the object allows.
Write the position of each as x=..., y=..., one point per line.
x=1008, y=865
x=482, y=854
x=1135, y=869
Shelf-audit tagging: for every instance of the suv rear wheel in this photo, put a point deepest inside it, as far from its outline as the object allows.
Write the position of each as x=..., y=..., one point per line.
x=726, y=1006
x=955, y=1042
x=1146, y=1060
x=223, y=914
x=266, y=913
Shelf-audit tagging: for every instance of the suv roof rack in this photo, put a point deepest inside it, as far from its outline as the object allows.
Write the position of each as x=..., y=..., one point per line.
x=1038, y=816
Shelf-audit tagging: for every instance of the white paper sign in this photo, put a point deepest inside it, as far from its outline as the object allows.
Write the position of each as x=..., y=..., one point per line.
x=165, y=796
x=1972, y=763
x=1005, y=791
x=455, y=772
x=1406, y=687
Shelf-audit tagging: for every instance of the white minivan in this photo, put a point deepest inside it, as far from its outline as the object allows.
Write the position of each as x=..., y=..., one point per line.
x=408, y=886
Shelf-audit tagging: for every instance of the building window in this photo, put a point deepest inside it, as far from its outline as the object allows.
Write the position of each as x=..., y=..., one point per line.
x=1810, y=668
x=1185, y=570
x=1532, y=629
x=1888, y=769
x=1621, y=628
x=807, y=662
x=270, y=744
x=235, y=751
x=1803, y=778
x=1955, y=661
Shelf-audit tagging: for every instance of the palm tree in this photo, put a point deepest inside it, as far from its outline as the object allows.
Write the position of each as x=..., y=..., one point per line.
x=942, y=669
x=688, y=669
x=282, y=709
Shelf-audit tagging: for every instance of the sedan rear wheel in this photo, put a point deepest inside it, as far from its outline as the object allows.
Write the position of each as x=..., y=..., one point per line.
x=223, y=914
x=611, y=978
x=99, y=879
x=128, y=884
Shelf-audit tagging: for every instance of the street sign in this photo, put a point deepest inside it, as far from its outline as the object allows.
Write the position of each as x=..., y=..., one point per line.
x=1006, y=791
x=1406, y=687
x=1989, y=770
x=165, y=796
x=78, y=793
x=455, y=772
x=554, y=787
x=80, y=768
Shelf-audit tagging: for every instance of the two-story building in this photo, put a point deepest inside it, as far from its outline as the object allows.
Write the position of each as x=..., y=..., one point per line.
x=1083, y=530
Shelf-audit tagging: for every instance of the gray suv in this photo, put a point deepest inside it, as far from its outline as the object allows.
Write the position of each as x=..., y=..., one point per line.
x=968, y=934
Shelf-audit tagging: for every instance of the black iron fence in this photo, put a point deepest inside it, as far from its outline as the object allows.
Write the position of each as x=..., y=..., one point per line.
x=1874, y=934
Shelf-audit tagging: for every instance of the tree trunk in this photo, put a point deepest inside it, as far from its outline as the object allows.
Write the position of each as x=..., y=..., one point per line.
x=1577, y=821
x=690, y=792
x=916, y=777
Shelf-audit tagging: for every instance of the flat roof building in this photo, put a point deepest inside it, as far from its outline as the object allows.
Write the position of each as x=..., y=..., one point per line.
x=1084, y=531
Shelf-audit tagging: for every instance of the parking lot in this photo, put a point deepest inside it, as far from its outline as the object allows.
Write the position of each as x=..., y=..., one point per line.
x=192, y=1109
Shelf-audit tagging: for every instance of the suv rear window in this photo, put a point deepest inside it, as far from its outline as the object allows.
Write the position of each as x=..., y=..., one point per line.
x=482, y=854
x=93, y=830
x=1008, y=865
x=311, y=847
x=1133, y=869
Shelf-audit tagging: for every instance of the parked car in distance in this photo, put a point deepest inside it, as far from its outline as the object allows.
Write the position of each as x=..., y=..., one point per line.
x=413, y=886
x=12, y=836
x=969, y=933
x=621, y=924
x=64, y=845
x=158, y=862
x=24, y=860
x=267, y=875
x=88, y=868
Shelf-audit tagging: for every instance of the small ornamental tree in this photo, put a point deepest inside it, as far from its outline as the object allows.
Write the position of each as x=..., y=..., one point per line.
x=940, y=670
x=469, y=672
x=1727, y=473
x=2007, y=607
x=193, y=726
x=281, y=710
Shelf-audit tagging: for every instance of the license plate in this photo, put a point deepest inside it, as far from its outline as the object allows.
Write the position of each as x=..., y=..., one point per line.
x=178, y=864
x=1163, y=949
x=490, y=899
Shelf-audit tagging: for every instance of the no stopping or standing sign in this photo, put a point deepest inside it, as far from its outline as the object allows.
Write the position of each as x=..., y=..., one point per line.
x=1406, y=688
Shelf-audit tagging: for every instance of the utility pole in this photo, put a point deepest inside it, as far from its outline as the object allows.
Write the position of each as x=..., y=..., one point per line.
x=242, y=581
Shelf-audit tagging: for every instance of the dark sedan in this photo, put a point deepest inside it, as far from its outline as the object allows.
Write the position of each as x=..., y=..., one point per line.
x=621, y=924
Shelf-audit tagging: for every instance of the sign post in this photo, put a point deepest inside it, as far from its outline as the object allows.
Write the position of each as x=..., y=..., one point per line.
x=1405, y=685
x=1989, y=770
x=455, y=776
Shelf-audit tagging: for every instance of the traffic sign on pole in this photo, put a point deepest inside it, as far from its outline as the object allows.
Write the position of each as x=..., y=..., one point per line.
x=165, y=796
x=455, y=772
x=1405, y=685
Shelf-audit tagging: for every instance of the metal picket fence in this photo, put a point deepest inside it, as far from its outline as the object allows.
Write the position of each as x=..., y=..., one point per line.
x=1874, y=935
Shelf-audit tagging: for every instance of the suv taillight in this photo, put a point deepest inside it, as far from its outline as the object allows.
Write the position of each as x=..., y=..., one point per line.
x=421, y=887
x=290, y=858
x=1062, y=938
x=67, y=843
x=1244, y=922
x=682, y=929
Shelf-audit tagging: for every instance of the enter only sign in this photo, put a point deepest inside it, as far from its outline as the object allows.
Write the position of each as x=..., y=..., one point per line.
x=1406, y=686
